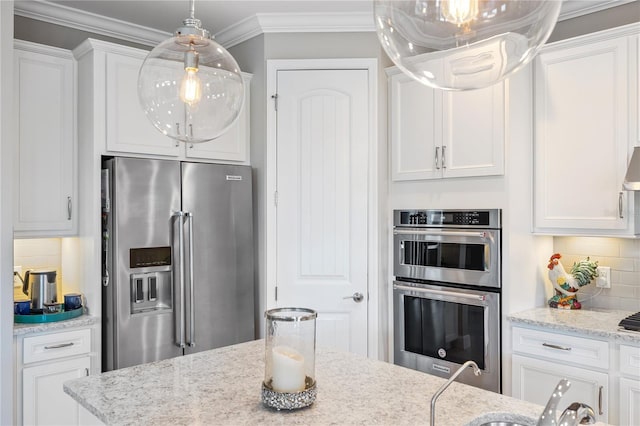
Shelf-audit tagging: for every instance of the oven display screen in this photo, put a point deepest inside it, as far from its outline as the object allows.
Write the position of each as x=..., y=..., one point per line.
x=470, y=257
x=444, y=330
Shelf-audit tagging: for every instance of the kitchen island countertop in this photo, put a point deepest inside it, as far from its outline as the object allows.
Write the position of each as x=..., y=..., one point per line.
x=222, y=386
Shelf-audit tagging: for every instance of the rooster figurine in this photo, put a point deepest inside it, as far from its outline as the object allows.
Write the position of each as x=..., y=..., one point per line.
x=566, y=285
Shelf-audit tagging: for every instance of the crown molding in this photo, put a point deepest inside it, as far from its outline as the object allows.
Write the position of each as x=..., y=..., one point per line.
x=575, y=8
x=295, y=23
x=246, y=29
x=58, y=14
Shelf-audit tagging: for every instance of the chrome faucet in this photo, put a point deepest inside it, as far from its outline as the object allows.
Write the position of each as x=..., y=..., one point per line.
x=435, y=397
x=575, y=414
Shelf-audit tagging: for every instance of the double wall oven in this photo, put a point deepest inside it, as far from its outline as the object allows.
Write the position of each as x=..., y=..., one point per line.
x=446, y=292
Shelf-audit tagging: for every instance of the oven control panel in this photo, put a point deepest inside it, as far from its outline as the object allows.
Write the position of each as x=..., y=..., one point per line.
x=448, y=218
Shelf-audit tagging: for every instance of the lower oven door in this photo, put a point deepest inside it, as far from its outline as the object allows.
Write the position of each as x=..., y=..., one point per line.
x=438, y=328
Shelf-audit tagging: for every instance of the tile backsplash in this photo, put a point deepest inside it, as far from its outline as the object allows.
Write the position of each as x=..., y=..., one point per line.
x=622, y=255
x=37, y=253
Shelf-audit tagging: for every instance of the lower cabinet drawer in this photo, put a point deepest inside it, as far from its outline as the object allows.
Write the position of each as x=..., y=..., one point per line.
x=56, y=345
x=630, y=360
x=560, y=348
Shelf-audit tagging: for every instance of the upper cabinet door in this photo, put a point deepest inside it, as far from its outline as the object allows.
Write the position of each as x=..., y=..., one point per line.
x=473, y=132
x=128, y=128
x=45, y=163
x=437, y=134
x=233, y=145
x=583, y=120
x=415, y=131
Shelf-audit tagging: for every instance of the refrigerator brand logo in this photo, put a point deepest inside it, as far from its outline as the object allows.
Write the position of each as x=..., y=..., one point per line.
x=441, y=368
x=234, y=177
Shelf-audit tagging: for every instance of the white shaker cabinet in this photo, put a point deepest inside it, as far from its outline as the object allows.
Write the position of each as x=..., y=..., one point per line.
x=542, y=358
x=233, y=145
x=44, y=362
x=442, y=134
x=45, y=154
x=109, y=77
x=629, y=385
x=586, y=123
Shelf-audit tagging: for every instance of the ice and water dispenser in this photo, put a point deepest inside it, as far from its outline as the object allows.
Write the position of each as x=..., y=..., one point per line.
x=150, y=291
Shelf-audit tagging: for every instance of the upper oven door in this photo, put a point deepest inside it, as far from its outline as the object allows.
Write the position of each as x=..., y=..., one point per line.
x=469, y=257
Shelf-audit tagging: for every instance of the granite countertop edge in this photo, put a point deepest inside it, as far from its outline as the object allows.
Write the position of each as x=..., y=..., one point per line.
x=20, y=329
x=601, y=323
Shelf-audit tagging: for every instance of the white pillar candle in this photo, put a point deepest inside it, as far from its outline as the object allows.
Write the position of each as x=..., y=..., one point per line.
x=288, y=370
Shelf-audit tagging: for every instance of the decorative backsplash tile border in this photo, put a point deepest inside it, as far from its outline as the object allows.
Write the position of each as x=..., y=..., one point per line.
x=621, y=254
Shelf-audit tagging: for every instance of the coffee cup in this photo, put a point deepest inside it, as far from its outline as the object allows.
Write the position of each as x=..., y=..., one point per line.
x=72, y=301
x=22, y=307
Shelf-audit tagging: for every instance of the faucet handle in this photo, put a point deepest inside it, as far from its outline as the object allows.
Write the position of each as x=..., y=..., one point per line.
x=577, y=414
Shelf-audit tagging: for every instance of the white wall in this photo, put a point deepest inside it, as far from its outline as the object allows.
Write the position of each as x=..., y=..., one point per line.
x=6, y=213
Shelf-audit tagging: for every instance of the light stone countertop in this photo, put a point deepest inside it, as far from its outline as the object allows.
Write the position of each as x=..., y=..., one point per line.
x=591, y=322
x=81, y=321
x=222, y=386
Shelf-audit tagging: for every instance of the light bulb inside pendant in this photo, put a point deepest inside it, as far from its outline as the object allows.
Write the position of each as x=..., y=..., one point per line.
x=190, y=87
x=460, y=12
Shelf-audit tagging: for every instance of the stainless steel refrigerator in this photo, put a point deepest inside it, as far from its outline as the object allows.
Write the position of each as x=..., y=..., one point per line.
x=177, y=259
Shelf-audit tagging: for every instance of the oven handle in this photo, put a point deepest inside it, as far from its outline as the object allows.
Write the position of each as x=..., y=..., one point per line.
x=480, y=297
x=477, y=234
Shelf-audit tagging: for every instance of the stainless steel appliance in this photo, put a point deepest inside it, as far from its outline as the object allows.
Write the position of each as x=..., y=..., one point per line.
x=446, y=293
x=41, y=288
x=177, y=259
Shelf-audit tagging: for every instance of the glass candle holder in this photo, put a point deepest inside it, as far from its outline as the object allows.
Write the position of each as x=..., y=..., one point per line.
x=290, y=352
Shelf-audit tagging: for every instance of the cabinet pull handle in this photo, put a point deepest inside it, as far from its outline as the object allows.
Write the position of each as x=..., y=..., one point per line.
x=600, y=400
x=61, y=345
x=69, y=208
x=444, y=157
x=437, y=156
x=562, y=348
x=620, y=206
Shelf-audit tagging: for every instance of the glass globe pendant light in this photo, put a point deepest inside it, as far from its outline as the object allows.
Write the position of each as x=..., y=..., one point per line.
x=189, y=86
x=463, y=44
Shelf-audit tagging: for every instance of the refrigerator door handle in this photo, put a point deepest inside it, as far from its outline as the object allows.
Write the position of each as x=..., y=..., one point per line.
x=191, y=324
x=179, y=308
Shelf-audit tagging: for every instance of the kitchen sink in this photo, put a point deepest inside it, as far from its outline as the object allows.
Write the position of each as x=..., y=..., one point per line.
x=501, y=423
x=502, y=419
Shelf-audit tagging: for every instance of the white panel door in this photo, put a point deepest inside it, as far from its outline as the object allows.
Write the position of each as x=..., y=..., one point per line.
x=128, y=128
x=322, y=158
x=473, y=132
x=44, y=401
x=581, y=135
x=534, y=380
x=415, y=129
x=629, y=401
x=45, y=153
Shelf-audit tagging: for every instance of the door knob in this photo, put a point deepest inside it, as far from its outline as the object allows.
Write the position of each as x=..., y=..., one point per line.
x=357, y=297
